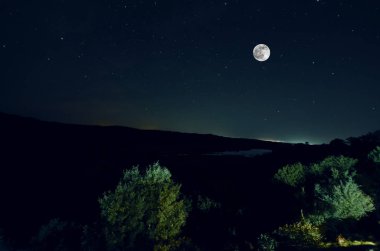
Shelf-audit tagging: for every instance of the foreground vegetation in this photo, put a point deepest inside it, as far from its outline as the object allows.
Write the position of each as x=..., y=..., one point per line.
x=335, y=196
x=334, y=203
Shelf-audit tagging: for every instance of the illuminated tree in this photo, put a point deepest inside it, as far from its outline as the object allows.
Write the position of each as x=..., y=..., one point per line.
x=145, y=210
x=336, y=167
x=291, y=175
x=300, y=234
x=332, y=196
x=345, y=201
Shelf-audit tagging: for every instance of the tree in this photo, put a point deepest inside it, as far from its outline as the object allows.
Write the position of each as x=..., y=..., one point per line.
x=337, y=167
x=292, y=175
x=346, y=200
x=300, y=234
x=338, y=143
x=331, y=195
x=374, y=155
x=144, y=208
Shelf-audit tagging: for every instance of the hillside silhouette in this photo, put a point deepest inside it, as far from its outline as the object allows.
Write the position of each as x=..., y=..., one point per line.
x=50, y=169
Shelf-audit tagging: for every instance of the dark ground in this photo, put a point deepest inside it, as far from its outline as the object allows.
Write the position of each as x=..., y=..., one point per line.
x=50, y=170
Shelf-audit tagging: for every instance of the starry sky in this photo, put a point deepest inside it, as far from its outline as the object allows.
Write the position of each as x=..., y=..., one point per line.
x=187, y=65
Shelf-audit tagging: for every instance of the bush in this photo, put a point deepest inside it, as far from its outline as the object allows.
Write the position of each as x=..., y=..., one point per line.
x=374, y=155
x=300, y=234
x=317, y=218
x=338, y=167
x=144, y=210
x=266, y=243
x=182, y=244
x=292, y=175
x=346, y=200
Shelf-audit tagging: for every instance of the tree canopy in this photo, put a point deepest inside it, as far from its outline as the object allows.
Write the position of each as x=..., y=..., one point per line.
x=144, y=209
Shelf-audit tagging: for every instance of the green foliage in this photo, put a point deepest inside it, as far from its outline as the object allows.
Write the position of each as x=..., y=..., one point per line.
x=336, y=197
x=182, y=244
x=374, y=155
x=292, y=175
x=146, y=207
x=346, y=200
x=337, y=167
x=206, y=204
x=266, y=243
x=300, y=234
x=316, y=218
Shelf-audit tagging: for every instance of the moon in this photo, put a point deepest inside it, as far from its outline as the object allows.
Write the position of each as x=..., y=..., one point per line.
x=261, y=52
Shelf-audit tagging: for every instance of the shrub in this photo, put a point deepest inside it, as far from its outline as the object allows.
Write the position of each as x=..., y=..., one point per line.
x=266, y=243
x=346, y=200
x=316, y=219
x=374, y=155
x=292, y=175
x=182, y=244
x=145, y=209
x=338, y=167
x=300, y=234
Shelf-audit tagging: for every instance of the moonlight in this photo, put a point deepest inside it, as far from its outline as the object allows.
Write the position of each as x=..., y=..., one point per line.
x=261, y=52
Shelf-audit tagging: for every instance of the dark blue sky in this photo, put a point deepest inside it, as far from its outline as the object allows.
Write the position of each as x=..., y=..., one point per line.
x=188, y=65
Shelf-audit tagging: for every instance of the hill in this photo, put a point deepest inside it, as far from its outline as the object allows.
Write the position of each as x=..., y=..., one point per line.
x=50, y=169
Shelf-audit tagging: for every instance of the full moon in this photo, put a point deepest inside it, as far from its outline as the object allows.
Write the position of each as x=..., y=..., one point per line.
x=261, y=52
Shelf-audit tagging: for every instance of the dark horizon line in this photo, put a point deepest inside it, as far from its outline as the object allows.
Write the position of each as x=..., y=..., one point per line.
x=164, y=130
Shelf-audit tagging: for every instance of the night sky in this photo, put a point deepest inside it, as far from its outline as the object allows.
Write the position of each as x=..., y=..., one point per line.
x=188, y=65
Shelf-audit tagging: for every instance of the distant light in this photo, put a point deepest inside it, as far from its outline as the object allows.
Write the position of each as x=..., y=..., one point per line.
x=272, y=140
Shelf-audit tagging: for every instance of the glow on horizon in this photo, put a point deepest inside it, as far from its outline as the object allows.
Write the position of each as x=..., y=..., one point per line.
x=221, y=133
x=291, y=141
x=272, y=140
